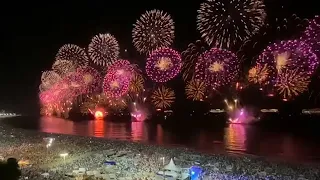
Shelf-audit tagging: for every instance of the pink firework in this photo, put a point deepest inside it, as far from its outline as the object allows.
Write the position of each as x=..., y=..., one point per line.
x=288, y=55
x=312, y=34
x=121, y=69
x=116, y=82
x=90, y=78
x=217, y=67
x=74, y=81
x=45, y=97
x=163, y=64
x=115, y=86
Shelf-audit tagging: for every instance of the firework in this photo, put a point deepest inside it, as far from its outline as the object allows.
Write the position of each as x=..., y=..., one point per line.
x=74, y=53
x=217, y=67
x=42, y=87
x=278, y=28
x=103, y=49
x=137, y=105
x=117, y=104
x=288, y=55
x=223, y=23
x=49, y=78
x=258, y=74
x=74, y=83
x=153, y=30
x=137, y=83
x=163, y=64
x=92, y=102
x=163, y=97
x=121, y=69
x=91, y=79
x=195, y=90
x=312, y=34
x=190, y=57
x=63, y=67
x=292, y=82
x=115, y=87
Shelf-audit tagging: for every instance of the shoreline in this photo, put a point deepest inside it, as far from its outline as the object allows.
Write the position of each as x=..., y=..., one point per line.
x=91, y=151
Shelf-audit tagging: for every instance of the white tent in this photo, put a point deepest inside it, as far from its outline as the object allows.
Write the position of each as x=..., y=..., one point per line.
x=172, y=167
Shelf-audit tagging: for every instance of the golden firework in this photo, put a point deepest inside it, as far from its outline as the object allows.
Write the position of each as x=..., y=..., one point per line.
x=258, y=74
x=216, y=67
x=164, y=63
x=163, y=97
x=195, y=90
x=91, y=102
x=136, y=84
x=114, y=85
x=117, y=104
x=282, y=60
x=291, y=83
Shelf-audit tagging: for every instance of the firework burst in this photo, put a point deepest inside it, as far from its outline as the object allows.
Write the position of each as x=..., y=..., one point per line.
x=121, y=69
x=312, y=34
x=115, y=87
x=278, y=28
x=42, y=88
x=291, y=55
x=63, y=67
x=163, y=97
x=163, y=64
x=223, y=23
x=217, y=67
x=91, y=102
x=91, y=79
x=104, y=49
x=190, y=57
x=258, y=74
x=195, y=90
x=153, y=30
x=74, y=53
x=291, y=83
x=137, y=83
x=49, y=78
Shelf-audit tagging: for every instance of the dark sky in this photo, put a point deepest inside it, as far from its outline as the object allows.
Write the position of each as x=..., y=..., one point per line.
x=32, y=32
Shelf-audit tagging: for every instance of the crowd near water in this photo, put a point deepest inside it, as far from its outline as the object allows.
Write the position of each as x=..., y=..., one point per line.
x=66, y=156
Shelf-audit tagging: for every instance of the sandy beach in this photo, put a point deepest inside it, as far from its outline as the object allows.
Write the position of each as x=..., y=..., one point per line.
x=133, y=160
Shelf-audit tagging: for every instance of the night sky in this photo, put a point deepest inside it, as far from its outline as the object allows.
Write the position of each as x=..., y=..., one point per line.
x=32, y=33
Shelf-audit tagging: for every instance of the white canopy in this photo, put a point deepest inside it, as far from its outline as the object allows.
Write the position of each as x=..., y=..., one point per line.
x=172, y=167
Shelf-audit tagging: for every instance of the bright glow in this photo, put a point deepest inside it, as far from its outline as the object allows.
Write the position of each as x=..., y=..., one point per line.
x=282, y=60
x=98, y=114
x=216, y=67
x=64, y=155
x=164, y=64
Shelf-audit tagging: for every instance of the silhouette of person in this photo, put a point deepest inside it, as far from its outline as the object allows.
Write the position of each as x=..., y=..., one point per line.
x=10, y=170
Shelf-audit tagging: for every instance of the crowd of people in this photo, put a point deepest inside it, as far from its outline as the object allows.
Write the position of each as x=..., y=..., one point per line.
x=37, y=160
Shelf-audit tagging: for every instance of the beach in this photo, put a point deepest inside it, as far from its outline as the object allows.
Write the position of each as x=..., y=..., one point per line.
x=66, y=155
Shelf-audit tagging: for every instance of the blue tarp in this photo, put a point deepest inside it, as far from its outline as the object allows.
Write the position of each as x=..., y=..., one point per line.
x=195, y=172
x=110, y=163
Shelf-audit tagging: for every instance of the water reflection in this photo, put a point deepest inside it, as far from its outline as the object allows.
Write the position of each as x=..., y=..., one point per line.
x=234, y=138
x=137, y=131
x=56, y=125
x=99, y=128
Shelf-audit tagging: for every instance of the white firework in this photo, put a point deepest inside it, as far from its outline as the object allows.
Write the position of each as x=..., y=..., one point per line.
x=154, y=29
x=223, y=23
x=74, y=53
x=104, y=49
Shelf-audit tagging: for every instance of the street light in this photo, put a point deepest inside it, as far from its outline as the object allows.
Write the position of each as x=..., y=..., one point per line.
x=64, y=156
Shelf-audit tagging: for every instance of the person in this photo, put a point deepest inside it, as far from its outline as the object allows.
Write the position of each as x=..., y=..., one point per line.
x=10, y=170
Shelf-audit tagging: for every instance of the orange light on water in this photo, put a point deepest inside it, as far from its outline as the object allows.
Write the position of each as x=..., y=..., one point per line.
x=98, y=114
